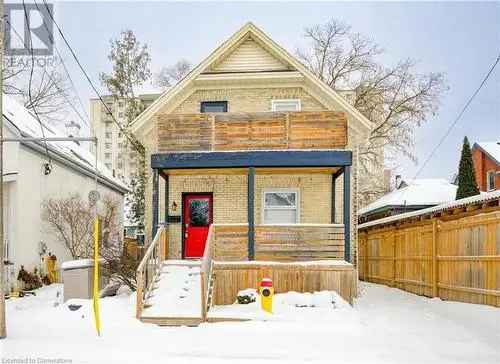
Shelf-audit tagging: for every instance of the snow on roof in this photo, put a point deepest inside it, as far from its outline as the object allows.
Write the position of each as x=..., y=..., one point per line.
x=27, y=125
x=491, y=148
x=481, y=198
x=420, y=192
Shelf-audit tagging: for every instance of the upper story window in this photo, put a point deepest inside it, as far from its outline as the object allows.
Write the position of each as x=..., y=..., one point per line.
x=285, y=105
x=213, y=106
x=280, y=206
x=490, y=180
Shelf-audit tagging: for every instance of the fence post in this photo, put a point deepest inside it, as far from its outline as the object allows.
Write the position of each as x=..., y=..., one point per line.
x=138, y=303
x=393, y=259
x=434, y=259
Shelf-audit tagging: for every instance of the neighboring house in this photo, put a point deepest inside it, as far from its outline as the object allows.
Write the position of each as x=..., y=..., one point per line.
x=29, y=179
x=113, y=148
x=486, y=158
x=407, y=197
x=251, y=137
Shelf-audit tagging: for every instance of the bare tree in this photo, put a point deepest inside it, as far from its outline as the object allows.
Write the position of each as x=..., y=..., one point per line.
x=170, y=75
x=396, y=98
x=51, y=93
x=71, y=220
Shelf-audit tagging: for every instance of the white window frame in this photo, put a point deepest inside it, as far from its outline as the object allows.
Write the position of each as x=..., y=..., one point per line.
x=280, y=190
x=277, y=101
x=488, y=173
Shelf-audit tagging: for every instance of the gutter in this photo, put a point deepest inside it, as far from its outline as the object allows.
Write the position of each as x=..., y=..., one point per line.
x=35, y=146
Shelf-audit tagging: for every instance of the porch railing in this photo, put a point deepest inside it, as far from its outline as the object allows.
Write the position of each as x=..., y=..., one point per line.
x=251, y=131
x=293, y=242
x=206, y=272
x=149, y=268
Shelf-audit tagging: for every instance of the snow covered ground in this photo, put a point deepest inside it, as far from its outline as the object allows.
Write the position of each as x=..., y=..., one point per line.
x=385, y=326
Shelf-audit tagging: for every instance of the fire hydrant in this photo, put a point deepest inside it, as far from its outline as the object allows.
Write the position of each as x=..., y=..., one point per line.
x=266, y=291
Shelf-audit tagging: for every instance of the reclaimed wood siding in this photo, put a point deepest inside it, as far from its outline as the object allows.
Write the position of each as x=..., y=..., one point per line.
x=454, y=258
x=251, y=131
x=230, y=278
x=299, y=242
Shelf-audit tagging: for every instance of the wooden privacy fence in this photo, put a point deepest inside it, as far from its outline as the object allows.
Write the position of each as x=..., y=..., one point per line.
x=454, y=254
x=251, y=131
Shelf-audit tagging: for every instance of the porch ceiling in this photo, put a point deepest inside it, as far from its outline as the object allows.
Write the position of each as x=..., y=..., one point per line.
x=257, y=159
x=244, y=171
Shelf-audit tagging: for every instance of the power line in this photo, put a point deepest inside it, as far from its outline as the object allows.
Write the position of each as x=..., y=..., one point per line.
x=457, y=119
x=53, y=80
x=26, y=15
x=51, y=38
x=134, y=143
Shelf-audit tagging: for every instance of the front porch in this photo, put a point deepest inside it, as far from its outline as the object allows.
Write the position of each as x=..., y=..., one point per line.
x=241, y=245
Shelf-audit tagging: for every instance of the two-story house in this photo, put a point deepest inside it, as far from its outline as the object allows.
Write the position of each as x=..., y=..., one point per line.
x=486, y=158
x=255, y=145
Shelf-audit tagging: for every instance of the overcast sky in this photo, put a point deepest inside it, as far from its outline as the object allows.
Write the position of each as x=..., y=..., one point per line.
x=459, y=39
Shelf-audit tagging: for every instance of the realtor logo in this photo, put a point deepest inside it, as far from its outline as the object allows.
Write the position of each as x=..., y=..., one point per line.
x=20, y=25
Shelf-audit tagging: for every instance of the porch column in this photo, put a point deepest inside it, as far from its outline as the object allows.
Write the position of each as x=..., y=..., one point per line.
x=334, y=189
x=250, y=212
x=154, y=221
x=165, y=177
x=347, y=213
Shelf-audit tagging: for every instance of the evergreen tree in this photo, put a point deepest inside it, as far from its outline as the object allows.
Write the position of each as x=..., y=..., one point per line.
x=131, y=62
x=467, y=185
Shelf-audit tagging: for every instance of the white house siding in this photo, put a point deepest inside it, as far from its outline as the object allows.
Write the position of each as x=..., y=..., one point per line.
x=25, y=229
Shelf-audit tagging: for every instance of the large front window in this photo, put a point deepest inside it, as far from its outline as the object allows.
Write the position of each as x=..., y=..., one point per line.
x=280, y=206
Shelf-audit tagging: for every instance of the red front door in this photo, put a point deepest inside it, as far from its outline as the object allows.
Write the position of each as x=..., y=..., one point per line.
x=197, y=209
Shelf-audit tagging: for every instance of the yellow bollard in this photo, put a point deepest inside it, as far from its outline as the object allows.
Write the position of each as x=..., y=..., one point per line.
x=266, y=291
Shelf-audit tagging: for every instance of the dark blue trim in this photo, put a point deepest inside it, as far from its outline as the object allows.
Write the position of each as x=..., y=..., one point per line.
x=347, y=213
x=154, y=226
x=282, y=158
x=251, y=210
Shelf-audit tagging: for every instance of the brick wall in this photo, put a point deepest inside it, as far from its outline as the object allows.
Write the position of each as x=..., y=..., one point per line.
x=483, y=164
x=249, y=99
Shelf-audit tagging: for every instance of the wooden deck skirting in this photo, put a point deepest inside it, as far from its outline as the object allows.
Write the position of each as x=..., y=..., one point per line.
x=251, y=131
x=231, y=277
x=453, y=255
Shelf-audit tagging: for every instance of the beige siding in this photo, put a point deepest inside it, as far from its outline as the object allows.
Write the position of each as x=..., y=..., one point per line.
x=249, y=99
x=250, y=56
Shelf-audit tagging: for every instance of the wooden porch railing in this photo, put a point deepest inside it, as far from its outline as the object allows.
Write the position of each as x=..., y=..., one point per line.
x=206, y=272
x=299, y=242
x=149, y=268
x=251, y=131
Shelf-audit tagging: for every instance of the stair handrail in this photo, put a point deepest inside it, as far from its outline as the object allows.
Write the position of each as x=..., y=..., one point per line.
x=149, y=268
x=206, y=270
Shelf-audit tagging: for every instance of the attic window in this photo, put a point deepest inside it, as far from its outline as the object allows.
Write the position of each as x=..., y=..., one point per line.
x=285, y=105
x=213, y=106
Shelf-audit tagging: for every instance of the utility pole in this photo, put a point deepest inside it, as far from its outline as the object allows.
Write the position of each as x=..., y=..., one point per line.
x=3, y=329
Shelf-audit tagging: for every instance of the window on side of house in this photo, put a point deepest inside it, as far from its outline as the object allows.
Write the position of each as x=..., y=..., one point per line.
x=280, y=206
x=286, y=105
x=213, y=106
x=490, y=180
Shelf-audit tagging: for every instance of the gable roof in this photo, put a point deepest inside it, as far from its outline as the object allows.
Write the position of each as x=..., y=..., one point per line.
x=23, y=123
x=228, y=49
x=492, y=149
x=420, y=192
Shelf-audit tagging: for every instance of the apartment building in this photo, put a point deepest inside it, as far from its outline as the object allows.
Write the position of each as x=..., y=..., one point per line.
x=113, y=148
